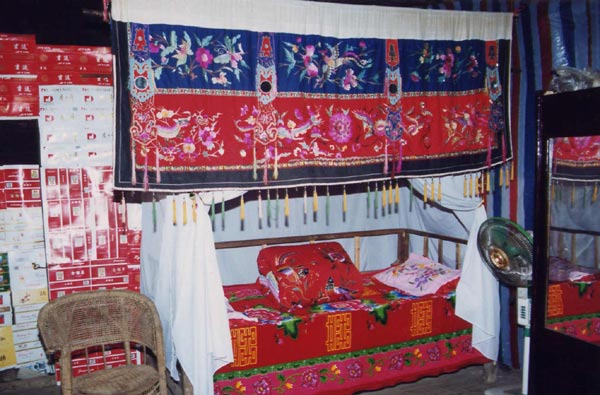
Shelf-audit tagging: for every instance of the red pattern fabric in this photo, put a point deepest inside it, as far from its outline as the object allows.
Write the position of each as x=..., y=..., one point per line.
x=311, y=273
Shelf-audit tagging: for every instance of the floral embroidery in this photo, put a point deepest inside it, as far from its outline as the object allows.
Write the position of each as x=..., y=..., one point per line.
x=324, y=63
x=446, y=65
x=215, y=61
x=466, y=127
x=321, y=374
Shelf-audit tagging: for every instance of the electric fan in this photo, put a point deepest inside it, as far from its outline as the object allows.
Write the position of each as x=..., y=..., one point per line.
x=507, y=249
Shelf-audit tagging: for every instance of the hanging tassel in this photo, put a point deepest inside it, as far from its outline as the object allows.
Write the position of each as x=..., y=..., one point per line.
x=512, y=171
x=396, y=198
x=174, y=208
x=465, y=186
x=212, y=212
x=595, y=193
x=410, y=201
x=146, y=181
x=432, y=194
x=254, y=163
x=368, y=201
x=344, y=204
x=154, y=224
x=399, y=164
x=184, y=210
x=286, y=209
x=385, y=158
x=425, y=189
x=553, y=192
x=383, y=199
x=277, y=208
x=242, y=213
x=376, y=201
x=488, y=184
x=157, y=167
x=507, y=178
x=268, y=208
x=470, y=185
x=266, y=169
x=305, y=207
x=260, y=210
x=223, y=212
x=133, y=173
x=439, y=188
x=276, y=166
x=194, y=208
x=488, y=159
x=501, y=180
x=327, y=206
x=315, y=204
x=390, y=198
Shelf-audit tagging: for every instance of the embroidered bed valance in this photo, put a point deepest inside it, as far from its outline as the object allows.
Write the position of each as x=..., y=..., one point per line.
x=270, y=93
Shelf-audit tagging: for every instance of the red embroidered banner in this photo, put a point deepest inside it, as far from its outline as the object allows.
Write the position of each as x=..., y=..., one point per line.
x=202, y=108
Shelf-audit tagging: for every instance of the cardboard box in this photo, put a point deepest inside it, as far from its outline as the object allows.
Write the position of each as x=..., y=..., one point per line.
x=5, y=299
x=7, y=350
x=30, y=355
x=6, y=316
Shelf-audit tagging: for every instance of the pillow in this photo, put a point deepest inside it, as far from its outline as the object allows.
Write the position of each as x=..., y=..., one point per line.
x=563, y=270
x=308, y=274
x=418, y=276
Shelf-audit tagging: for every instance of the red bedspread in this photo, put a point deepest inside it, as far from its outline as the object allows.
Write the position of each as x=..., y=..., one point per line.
x=342, y=347
x=574, y=308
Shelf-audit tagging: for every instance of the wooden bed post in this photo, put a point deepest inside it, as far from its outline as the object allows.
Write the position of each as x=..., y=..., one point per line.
x=403, y=246
x=357, y=252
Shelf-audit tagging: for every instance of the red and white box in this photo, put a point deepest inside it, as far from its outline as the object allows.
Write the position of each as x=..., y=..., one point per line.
x=69, y=272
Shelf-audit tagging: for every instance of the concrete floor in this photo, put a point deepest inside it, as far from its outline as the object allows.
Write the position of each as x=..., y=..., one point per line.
x=468, y=381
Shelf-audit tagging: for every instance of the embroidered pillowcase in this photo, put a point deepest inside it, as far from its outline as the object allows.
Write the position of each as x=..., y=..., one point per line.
x=419, y=276
x=308, y=274
x=563, y=270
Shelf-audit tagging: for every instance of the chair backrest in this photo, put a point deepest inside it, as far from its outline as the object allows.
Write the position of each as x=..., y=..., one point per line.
x=86, y=319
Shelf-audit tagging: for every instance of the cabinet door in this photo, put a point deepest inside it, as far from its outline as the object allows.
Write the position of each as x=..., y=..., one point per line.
x=565, y=324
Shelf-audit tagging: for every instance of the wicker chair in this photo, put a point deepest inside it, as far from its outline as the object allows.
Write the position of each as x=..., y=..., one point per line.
x=96, y=323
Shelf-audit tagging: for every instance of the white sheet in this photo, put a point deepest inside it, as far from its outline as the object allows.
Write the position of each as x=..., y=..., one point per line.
x=180, y=273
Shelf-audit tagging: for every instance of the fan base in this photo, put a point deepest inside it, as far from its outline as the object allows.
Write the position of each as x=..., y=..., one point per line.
x=512, y=389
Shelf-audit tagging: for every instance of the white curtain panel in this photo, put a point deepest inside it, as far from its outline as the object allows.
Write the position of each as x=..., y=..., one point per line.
x=477, y=293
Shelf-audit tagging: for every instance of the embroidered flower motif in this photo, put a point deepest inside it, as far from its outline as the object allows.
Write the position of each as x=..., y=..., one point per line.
x=340, y=127
x=204, y=57
x=221, y=79
x=310, y=378
x=396, y=362
x=434, y=353
x=262, y=386
x=350, y=80
x=188, y=145
x=355, y=370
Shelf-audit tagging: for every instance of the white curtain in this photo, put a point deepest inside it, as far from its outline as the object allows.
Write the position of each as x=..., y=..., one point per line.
x=477, y=293
x=179, y=273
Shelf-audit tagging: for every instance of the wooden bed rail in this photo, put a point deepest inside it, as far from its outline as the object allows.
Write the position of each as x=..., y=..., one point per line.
x=571, y=234
x=402, y=234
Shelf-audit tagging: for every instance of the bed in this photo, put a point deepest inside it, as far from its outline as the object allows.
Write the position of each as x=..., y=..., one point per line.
x=573, y=305
x=365, y=334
